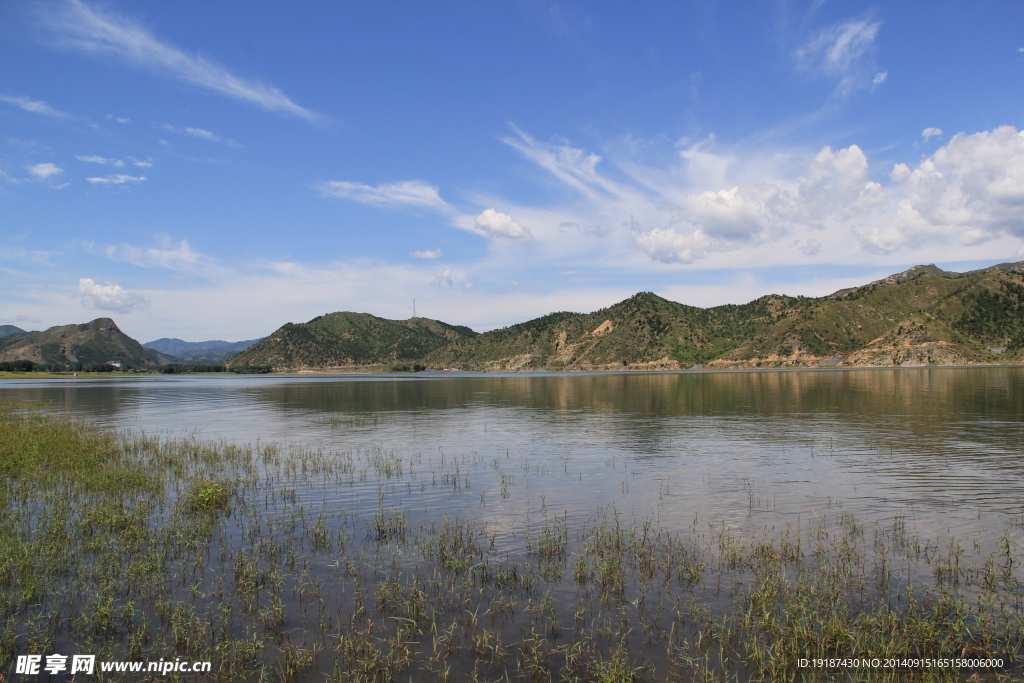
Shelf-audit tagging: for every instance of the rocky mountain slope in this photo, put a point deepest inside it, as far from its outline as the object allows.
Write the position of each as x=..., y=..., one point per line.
x=951, y=319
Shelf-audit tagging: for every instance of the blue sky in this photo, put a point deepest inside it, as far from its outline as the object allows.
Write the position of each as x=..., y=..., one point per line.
x=213, y=170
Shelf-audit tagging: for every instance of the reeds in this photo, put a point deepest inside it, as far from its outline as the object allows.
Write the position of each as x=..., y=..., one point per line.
x=131, y=547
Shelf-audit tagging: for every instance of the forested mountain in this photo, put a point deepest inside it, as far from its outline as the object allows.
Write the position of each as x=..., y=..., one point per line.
x=922, y=316
x=345, y=340
x=644, y=331
x=7, y=330
x=92, y=343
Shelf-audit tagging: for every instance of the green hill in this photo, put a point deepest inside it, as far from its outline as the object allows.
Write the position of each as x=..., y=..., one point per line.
x=644, y=331
x=7, y=330
x=349, y=340
x=959, y=317
x=922, y=316
x=92, y=343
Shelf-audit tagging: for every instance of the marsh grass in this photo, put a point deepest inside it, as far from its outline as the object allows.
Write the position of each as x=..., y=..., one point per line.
x=132, y=547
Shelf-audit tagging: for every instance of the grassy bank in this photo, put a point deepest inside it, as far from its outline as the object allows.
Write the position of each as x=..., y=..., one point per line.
x=309, y=565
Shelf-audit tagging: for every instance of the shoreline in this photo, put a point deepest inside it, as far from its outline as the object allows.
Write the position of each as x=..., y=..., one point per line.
x=4, y=376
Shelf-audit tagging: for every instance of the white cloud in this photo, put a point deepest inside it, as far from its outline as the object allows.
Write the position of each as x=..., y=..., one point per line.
x=95, y=159
x=843, y=52
x=109, y=297
x=94, y=31
x=496, y=224
x=429, y=253
x=45, y=171
x=669, y=246
x=929, y=133
x=899, y=173
x=739, y=214
x=969, y=193
x=117, y=179
x=34, y=106
x=145, y=163
x=408, y=192
x=122, y=120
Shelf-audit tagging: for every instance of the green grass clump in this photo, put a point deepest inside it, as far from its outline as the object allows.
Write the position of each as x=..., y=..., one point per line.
x=208, y=495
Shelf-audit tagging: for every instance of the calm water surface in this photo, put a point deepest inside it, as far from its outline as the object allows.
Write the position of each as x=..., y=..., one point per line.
x=745, y=449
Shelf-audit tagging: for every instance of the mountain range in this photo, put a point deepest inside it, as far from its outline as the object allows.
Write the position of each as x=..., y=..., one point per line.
x=921, y=316
x=212, y=352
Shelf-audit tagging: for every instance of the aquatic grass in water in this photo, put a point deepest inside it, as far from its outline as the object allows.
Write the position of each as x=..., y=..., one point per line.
x=131, y=547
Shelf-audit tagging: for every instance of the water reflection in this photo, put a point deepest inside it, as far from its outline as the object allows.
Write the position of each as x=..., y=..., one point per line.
x=743, y=448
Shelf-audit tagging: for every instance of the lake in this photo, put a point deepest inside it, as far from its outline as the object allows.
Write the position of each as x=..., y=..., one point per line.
x=527, y=472
x=946, y=442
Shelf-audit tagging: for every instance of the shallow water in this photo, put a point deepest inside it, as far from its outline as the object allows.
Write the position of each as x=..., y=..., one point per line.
x=917, y=467
x=743, y=449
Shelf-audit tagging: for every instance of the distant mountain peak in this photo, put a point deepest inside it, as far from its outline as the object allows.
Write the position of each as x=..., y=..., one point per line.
x=930, y=269
x=214, y=351
x=95, y=342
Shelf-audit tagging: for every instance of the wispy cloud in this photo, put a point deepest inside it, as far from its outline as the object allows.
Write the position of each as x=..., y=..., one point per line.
x=39, y=258
x=109, y=297
x=572, y=166
x=118, y=179
x=45, y=171
x=202, y=134
x=96, y=159
x=444, y=278
x=429, y=253
x=407, y=193
x=169, y=255
x=34, y=106
x=929, y=133
x=97, y=32
x=844, y=52
x=489, y=223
